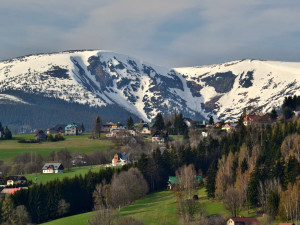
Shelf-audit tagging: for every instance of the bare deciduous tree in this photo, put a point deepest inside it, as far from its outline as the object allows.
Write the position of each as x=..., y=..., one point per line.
x=128, y=186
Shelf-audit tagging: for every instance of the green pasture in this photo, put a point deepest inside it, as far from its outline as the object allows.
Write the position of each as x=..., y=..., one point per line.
x=157, y=208
x=72, y=220
x=44, y=177
x=11, y=148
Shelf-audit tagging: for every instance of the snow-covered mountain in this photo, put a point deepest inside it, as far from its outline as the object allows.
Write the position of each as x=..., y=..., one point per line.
x=100, y=79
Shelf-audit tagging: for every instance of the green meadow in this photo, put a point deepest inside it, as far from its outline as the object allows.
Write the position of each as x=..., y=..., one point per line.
x=44, y=177
x=11, y=148
x=157, y=208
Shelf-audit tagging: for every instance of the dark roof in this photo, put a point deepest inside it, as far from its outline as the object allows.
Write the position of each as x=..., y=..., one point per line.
x=39, y=132
x=16, y=178
x=123, y=156
x=246, y=220
x=158, y=133
x=54, y=166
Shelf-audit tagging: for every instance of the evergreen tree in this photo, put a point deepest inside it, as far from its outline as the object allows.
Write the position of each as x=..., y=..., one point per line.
x=211, y=120
x=274, y=114
x=179, y=125
x=82, y=127
x=159, y=122
x=1, y=131
x=8, y=210
x=244, y=165
x=97, y=124
x=7, y=134
x=130, y=124
x=211, y=179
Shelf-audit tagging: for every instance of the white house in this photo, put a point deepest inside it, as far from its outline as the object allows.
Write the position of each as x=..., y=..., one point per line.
x=53, y=168
x=120, y=159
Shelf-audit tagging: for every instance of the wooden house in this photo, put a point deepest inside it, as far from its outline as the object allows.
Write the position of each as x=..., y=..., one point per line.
x=53, y=168
x=40, y=135
x=16, y=180
x=243, y=221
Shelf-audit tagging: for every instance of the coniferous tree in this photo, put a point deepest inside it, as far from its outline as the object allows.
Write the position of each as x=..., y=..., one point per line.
x=211, y=120
x=7, y=134
x=211, y=179
x=159, y=122
x=82, y=127
x=8, y=210
x=130, y=124
x=97, y=124
x=1, y=131
x=274, y=114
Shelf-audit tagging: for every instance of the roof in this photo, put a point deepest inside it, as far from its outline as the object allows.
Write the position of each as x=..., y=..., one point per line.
x=174, y=180
x=123, y=156
x=9, y=190
x=286, y=224
x=16, y=178
x=54, y=166
x=39, y=132
x=69, y=126
x=246, y=220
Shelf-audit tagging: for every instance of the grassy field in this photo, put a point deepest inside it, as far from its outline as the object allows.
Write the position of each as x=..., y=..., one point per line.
x=11, y=148
x=157, y=208
x=72, y=220
x=44, y=178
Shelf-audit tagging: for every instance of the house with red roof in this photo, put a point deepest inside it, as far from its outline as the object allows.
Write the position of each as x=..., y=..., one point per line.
x=243, y=221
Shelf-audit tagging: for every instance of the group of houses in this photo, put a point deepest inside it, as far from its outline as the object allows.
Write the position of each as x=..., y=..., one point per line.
x=59, y=129
x=118, y=129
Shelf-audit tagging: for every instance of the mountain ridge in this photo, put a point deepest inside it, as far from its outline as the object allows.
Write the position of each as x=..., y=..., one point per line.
x=98, y=78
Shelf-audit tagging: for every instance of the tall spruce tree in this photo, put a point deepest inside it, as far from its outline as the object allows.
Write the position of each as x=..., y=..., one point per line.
x=130, y=124
x=7, y=134
x=1, y=131
x=159, y=122
x=97, y=124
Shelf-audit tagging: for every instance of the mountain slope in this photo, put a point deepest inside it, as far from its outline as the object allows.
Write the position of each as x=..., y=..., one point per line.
x=98, y=80
x=226, y=89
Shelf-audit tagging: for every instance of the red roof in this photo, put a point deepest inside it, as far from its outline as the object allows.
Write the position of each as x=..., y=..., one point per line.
x=246, y=220
x=286, y=224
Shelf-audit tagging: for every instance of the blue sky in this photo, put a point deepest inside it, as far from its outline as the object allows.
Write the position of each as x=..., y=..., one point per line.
x=171, y=33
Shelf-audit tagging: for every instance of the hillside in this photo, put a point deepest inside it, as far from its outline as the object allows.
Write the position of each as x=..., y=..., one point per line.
x=76, y=85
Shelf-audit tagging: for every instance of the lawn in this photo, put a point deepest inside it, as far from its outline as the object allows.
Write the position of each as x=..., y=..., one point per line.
x=79, y=219
x=11, y=148
x=157, y=208
x=44, y=178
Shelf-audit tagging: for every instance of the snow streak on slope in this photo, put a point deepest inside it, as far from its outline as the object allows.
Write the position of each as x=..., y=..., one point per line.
x=229, y=88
